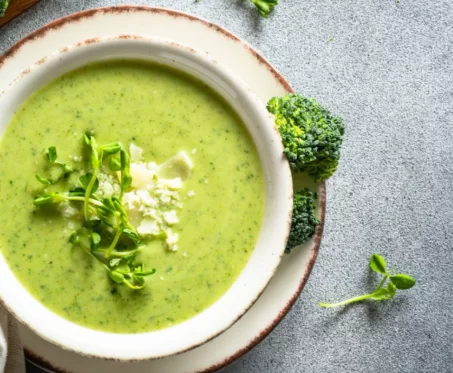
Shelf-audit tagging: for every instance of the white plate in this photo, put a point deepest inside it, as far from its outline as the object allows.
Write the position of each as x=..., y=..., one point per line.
x=266, y=82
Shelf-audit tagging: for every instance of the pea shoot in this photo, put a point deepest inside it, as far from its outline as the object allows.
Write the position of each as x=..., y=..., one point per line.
x=386, y=288
x=106, y=233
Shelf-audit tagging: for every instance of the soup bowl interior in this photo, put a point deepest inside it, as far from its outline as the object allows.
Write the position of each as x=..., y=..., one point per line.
x=271, y=240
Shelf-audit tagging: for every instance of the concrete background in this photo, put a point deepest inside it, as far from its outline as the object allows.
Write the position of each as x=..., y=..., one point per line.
x=387, y=68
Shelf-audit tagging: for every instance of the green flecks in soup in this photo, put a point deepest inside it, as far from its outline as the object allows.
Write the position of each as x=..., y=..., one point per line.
x=163, y=112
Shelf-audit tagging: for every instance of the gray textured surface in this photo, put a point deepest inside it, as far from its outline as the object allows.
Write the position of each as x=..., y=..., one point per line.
x=388, y=70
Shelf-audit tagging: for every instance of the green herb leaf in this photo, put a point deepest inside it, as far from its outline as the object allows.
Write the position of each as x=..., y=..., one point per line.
x=77, y=192
x=74, y=238
x=132, y=236
x=382, y=294
x=44, y=199
x=144, y=274
x=86, y=138
x=112, y=148
x=402, y=281
x=52, y=154
x=43, y=180
x=117, y=277
x=377, y=264
x=95, y=241
x=115, y=164
x=85, y=181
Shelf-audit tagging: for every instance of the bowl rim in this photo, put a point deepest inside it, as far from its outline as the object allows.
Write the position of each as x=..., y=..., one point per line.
x=237, y=82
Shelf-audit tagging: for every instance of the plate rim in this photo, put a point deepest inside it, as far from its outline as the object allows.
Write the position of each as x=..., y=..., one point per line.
x=314, y=249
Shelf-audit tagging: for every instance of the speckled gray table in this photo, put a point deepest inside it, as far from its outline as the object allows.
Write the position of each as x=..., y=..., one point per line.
x=387, y=68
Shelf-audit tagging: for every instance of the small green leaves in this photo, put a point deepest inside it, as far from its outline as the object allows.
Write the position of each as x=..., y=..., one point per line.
x=115, y=164
x=52, y=154
x=106, y=234
x=85, y=181
x=48, y=198
x=43, y=180
x=399, y=281
x=132, y=236
x=45, y=199
x=377, y=264
x=95, y=241
x=384, y=293
x=126, y=179
x=117, y=277
x=111, y=149
x=402, y=281
x=77, y=192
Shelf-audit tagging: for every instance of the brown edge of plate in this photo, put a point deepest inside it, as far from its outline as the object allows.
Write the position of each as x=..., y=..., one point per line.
x=55, y=25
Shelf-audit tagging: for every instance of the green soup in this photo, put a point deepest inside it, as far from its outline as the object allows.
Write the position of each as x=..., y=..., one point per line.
x=163, y=111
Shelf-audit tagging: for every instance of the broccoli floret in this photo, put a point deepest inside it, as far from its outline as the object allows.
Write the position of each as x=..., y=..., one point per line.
x=3, y=6
x=264, y=7
x=304, y=221
x=311, y=135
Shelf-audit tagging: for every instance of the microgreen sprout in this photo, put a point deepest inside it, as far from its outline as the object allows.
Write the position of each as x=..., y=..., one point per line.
x=386, y=288
x=51, y=156
x=106, y=233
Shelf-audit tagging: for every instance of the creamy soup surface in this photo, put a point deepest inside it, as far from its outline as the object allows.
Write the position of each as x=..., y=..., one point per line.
x=163, y=111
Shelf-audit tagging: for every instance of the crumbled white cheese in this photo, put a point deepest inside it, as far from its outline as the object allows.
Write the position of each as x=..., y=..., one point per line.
x=170, y=217
x=67, y=211
x=108, y=186
x=175, y=183
x=179, y=165
x=172, y=240
x=191, y=193
x=149, y=227
x=141, y=175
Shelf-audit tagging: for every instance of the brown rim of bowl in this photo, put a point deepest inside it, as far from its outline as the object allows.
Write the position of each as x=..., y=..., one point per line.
x=75, y=17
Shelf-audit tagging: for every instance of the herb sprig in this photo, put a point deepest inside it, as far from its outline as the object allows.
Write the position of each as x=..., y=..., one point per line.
x=51, y=156
x=106, y=233
x=400, y=281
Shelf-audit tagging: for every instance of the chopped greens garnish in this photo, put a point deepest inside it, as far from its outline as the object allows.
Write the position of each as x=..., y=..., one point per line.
x=106, y=233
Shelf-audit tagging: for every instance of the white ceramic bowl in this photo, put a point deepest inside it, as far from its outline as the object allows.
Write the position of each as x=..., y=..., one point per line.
x=271, y=241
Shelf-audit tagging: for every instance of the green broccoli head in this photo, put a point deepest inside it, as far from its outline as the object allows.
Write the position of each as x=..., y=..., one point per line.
x=311, y=135
x=304, y=221
x=3, y=6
